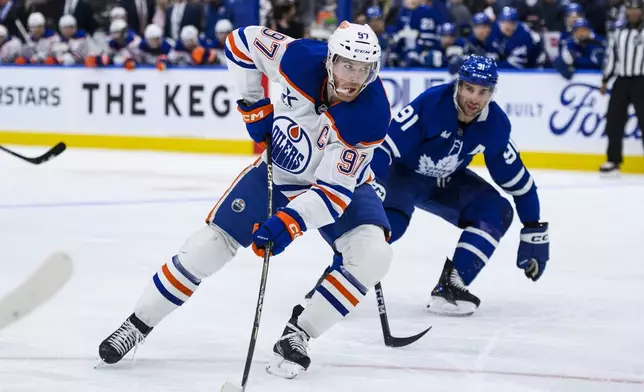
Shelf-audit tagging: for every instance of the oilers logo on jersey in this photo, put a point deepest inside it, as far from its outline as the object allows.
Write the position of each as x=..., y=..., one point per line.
x=444, y=166
x=291, y=146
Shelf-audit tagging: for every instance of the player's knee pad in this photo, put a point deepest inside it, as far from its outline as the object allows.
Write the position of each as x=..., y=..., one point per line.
x=366, y=253
x=506, y=215
x=492, y=214
x=206, y=251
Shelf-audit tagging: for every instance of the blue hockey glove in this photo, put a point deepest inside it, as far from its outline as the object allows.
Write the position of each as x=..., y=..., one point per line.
x=258, y=118
x=280, y=229
x=534, y=250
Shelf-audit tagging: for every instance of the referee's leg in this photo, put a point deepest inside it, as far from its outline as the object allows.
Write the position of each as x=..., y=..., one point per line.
x=616, y=118
x=637, y=98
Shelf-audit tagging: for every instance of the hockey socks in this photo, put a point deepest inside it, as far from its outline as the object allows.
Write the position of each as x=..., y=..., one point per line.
x=474, y=249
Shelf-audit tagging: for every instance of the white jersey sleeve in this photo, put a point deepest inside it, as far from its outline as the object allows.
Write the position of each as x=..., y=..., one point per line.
x=251, y=51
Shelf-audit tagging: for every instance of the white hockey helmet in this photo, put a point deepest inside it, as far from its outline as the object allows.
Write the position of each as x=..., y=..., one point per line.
x=3, y=32
x=357, y=43
x=118, y=26
x=66, y=21
x=118, y=13
x=223, y=26
x=153, y=32
x=189, y=33
x=36, y=19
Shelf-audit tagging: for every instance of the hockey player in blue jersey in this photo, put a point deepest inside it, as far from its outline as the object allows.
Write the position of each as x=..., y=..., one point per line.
x=376, y=20
x=582, y=50
x=519, y=47
x=423, y=164
x=332, y=114
x=448, y=54
x=480, y=39
x=416, y=27
x=573, y=12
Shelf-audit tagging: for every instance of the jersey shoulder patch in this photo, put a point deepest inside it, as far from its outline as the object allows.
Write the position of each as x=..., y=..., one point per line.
x=303, y=66
x=364, y=121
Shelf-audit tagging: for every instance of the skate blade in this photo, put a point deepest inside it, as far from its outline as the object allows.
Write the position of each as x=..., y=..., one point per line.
x=610, y=175
x=280, y=367
x=441, y=307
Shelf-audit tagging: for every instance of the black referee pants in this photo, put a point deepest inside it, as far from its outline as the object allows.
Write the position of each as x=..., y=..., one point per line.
x=626, y=90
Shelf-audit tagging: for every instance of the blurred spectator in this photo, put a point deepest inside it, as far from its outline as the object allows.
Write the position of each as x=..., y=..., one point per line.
x=459, y=13
x=10, y=46
x=81, y=10
x=158, y=18
x=552, y=14
x=9, y=13
x=447, y=54
x=73, y=46
x=181, y=14
x=582, y=50
x=139, y=13
x=595, y=13
x=40, y=42
x=480, y=39
x=615, y=14
x=215, y=10
x=325, y=22
x=530, y=12
x=519, y=47
x=285, y=19
x=376, y=20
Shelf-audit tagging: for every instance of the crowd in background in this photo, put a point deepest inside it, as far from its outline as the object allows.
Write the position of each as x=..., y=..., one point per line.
x=413, y=33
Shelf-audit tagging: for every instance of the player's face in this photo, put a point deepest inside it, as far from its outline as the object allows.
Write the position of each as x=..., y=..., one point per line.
x=37, y=31
x=221, y=37
x=189, y=43
x=507, y=27
x=68, y=31
x=447, y=40
x=412, y=4
x=154, y=42
x=633, y=14
x=349, y=76
x=582, y=34
x=571, y=18
x=481, y=32
x=472, y=98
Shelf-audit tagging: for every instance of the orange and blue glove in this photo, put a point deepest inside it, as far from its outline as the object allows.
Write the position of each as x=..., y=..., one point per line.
x=280, y=229
x=258, y=118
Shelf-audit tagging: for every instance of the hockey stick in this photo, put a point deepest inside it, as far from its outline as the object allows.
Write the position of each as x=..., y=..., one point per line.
x=230, y=387
x=53, y=152
x=392, y=341
x=48, y=279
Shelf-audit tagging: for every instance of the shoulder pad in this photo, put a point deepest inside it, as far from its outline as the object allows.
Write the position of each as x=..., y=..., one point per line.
x=364, y=121
x=303, y=66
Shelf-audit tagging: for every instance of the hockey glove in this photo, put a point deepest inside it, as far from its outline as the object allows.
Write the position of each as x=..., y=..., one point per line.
x=534, y=250
x=280, y=229
x=258, y=118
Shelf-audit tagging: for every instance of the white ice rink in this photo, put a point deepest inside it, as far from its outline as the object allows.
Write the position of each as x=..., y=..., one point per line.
x=121, y=215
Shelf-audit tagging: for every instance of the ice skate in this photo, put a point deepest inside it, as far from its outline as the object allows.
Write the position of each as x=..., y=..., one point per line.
x=450, y=297
x=291, y=350
x=132, y=332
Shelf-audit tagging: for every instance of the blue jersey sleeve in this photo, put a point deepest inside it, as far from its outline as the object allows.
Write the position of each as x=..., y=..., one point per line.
x=504, y=163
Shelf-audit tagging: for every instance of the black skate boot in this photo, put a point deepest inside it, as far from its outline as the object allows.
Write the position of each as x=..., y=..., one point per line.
x=450, y=297
x=291, y=350
x=132, y=332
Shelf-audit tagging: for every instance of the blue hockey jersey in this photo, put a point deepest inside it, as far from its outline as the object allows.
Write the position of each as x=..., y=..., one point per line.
x=520, y=50
x=426, y=138
x=482, y=48
x=417, y=29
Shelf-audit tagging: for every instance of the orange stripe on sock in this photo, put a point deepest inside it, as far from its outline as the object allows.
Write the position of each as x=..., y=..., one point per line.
x=235, y=49
x=354, y=301
x=178, y=285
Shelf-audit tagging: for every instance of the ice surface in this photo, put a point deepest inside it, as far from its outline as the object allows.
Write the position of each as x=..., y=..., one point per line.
x=122, y=214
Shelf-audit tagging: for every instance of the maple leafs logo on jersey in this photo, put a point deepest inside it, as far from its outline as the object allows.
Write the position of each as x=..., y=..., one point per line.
x=443, y=167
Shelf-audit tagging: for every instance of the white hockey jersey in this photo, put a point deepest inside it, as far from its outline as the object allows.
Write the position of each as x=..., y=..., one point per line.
x=41, y=48
x=10, y=49
x=72, y=50
x=321, y=152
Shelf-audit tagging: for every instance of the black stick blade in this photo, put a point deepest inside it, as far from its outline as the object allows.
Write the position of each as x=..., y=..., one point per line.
x=53, y=152
x=392, y=341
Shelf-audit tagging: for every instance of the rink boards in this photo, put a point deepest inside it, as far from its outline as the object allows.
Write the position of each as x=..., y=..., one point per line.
x=557, y=124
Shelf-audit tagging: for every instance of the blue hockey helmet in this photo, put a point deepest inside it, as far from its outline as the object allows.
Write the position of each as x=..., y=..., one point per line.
x=479, y=70
x=447, y=29
x=508, y=14
x=374, y=12
x=580, y=23
x=574, y=8
x=481, y=19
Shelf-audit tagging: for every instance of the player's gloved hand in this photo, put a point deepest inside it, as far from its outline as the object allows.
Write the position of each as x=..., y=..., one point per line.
x=280, y=229
x=258, y=118
x=534, y=250
x=129, y=64
x=380, y=189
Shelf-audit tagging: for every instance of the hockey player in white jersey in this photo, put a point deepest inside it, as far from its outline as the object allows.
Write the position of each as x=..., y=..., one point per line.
x=41, y=40
x=192, y=49
x=10, y=47
x=73, y=46
x=332, y=114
